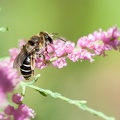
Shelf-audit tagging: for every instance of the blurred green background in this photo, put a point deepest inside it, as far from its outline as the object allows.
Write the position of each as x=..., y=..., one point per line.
x=98, y=83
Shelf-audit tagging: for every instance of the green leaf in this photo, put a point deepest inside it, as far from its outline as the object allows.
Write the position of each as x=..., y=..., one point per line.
x=42, y=93
x=3, y=29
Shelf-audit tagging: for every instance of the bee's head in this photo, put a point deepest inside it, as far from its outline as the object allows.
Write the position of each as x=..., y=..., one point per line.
x=47, y=37
x=34, y=40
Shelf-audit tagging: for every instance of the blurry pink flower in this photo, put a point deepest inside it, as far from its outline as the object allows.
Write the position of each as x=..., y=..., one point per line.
x=3, y=117
x=9, y=110
x=22, y=112
x=17, y=98
x=13, y=52
x=8, y=79
x=3, y=100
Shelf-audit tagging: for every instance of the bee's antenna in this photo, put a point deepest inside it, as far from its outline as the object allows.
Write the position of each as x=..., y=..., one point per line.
x=54, y=35
x=61, y=39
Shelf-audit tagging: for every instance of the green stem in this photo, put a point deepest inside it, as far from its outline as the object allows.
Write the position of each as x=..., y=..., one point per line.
x=80, y=104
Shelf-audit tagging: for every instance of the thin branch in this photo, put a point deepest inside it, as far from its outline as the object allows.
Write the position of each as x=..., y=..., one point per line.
x=79, y=103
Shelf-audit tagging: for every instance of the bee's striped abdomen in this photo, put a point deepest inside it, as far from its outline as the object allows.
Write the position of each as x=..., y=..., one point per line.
x=25, y=69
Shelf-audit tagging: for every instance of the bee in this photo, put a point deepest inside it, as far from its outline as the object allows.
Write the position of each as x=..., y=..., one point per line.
x=26, y=58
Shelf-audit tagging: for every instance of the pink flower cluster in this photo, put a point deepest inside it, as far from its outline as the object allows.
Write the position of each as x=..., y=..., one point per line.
x=101, y=41
x=22, y=112
x=96, y=44
x=86, y=48
x=8, y=80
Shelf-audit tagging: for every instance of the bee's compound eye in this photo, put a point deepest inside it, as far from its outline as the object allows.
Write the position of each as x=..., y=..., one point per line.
x=31, y=43
x=46, y=36
x=48, y=39
x=35, y=38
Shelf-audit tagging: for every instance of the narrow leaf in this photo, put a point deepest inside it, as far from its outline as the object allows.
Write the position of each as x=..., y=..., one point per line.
x=42, y=93
x=3, y=29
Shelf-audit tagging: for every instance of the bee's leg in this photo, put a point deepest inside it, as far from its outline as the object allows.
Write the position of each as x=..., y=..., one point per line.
x=41, y=55
x=46, y=48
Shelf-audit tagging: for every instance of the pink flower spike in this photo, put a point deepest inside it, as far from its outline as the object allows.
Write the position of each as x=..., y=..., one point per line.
x=17, y=98
x=60, y=62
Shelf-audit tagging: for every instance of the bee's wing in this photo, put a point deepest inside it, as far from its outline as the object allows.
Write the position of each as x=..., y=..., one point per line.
x=20, y=58
x=33, y=57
